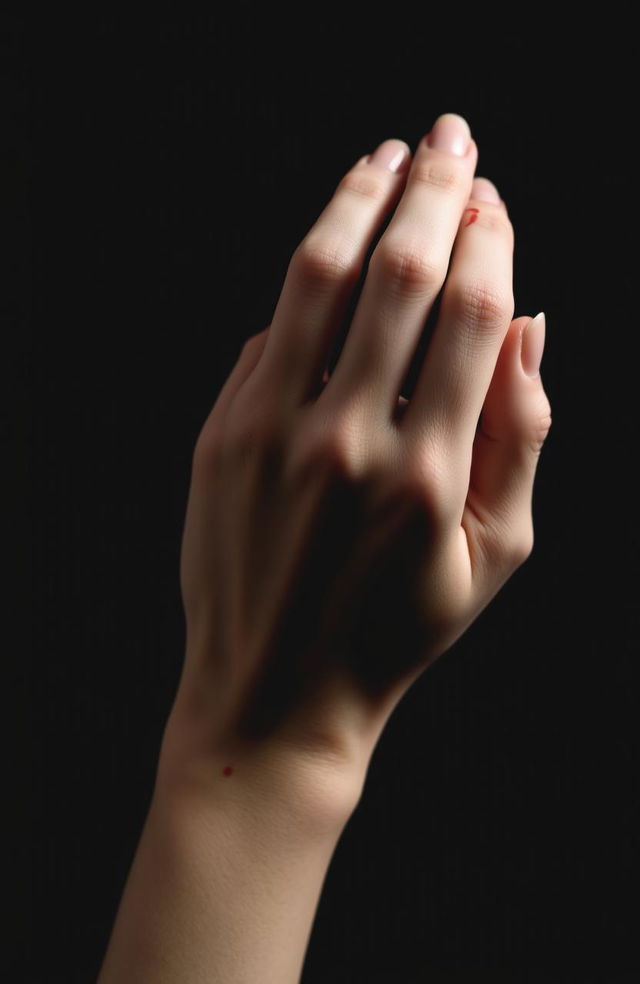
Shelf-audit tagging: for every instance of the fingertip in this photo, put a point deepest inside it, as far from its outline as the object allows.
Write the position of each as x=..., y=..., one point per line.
x=520, y=323
x=484, y=190
x=532, y=339
x=393, y=155
x=508, y=364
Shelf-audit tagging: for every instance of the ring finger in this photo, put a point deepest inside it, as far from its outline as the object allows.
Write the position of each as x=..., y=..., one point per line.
x=475, y=312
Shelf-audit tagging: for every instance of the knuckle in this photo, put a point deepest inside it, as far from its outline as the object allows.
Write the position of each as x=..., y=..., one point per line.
x=334, y=451
x=482, y=304
x=539, y=430
x=422, y=489
x=335, y=447
x=324, y=262
x=445, y=177
x=407, y=268
x=494, y=219
x=363, y=184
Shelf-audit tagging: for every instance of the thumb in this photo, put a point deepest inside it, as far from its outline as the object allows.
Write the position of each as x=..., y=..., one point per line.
x=515, y=421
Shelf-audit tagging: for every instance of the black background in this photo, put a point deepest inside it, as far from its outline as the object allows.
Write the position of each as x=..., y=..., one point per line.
x=162, y=170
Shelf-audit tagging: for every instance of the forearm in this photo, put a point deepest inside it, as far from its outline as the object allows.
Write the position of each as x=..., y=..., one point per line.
x=225, y=883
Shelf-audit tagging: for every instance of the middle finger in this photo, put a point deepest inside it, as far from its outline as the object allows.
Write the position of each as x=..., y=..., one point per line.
x=407, y=268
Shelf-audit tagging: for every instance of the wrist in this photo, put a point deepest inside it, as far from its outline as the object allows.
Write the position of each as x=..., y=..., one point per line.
x=308, y=793
x=229, y=869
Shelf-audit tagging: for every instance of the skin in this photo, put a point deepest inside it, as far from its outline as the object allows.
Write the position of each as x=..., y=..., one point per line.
x=338, y=539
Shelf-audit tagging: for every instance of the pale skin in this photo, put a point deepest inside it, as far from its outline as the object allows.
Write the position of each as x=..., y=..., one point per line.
x=338, y=539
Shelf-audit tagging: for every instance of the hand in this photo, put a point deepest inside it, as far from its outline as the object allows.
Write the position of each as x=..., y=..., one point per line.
x=339, y=538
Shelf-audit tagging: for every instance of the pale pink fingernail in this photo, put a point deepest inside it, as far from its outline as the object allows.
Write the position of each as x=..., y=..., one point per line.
x=485, y=191
x=450, y=132
x=533, y=344
x=392, y=154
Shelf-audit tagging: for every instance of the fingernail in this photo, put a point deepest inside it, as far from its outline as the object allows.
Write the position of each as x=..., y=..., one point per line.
x=485, y=191
x=391, y=154
x=450, y=132
x=533, y=344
